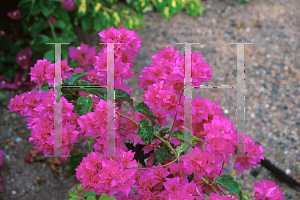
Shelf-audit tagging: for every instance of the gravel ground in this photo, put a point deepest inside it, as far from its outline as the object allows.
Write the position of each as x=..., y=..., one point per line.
x=272, y=107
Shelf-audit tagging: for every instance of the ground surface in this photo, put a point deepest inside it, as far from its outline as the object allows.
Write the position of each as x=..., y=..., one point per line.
x=272, y=110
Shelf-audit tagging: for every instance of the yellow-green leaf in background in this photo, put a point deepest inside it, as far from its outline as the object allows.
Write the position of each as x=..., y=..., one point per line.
x=192, y=9
x=159, y=5
x=166, y=12
x=98, y=21
x=129, y=23
x=117, y=18
x=82, y=7
x=106, y=19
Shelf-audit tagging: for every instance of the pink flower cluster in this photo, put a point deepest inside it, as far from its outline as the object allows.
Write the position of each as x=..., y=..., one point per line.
x=23, y=58
x=267, y=190
x=89, y=55
x=39, y=108
x=14, y=15
x=107, y=175
x=124, y=56
x=44, y=71
x=19, y=80
x=163, y=83
x=68, y=4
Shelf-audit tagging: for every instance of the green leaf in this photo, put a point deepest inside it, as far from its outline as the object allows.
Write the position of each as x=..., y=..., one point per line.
x=47, y=7
x=192, y=9
x=37, y=27
x=117, y=19
x=84, y=104
x=74, y=78
x=90, y=193
x=103, y=197
x=95, y=90
x=166, y=12
x=90, y=198
x=73, y=193
x=180, y=149
x=60, y=24
x=80, y=187
x=144, y=109
x=164, y=131
x=75, y=161
x=159, y=5
x=106, y=19
x=49, y=55
x=228, y=183
x=61, y=13
x=174, y=6
x=97, y=23
x=161, y=155
x=25, y=7
x=129, y=23
x=91, y=143
x=2, y=96
x=121, y=95
x=112, y=198
x=45, y=87
x=201, y=10
x=38, y=44
x=246, y=196
x=86, y=22
x=145, y=132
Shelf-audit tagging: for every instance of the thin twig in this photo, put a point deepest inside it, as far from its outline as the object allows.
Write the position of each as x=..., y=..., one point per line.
x=169, y=138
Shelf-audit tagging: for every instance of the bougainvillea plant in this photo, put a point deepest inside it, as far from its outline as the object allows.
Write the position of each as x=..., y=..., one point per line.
x=168, y=172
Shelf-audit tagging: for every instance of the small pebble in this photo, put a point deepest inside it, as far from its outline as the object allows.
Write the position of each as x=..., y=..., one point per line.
x=13, y=192
x=18, y=140
x=252, y=115
x=288, y=171
x=226, y=111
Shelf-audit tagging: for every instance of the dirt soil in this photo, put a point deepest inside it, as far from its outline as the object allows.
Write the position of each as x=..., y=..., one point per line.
x=272, y=106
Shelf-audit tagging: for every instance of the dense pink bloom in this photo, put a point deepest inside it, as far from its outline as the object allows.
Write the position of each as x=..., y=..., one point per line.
x=77, y=54
x=267, y=190
x=68, y=4
x=16, y=14
x=44, y=71
x=204, y=163
x=23, y=58
x=107, y=175
x=251, y=149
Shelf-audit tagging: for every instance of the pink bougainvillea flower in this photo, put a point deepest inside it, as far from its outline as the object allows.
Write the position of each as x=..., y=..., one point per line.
x=2, y=33
x=254, y=151
x=68, y=4
x=16, y=14
x=23, y=58
x=267, y=190
x=89, y=54
x=52, y=20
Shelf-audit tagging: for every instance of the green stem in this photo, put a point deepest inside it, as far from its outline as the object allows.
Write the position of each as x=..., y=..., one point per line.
x=169, y=138
x=52, y=31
